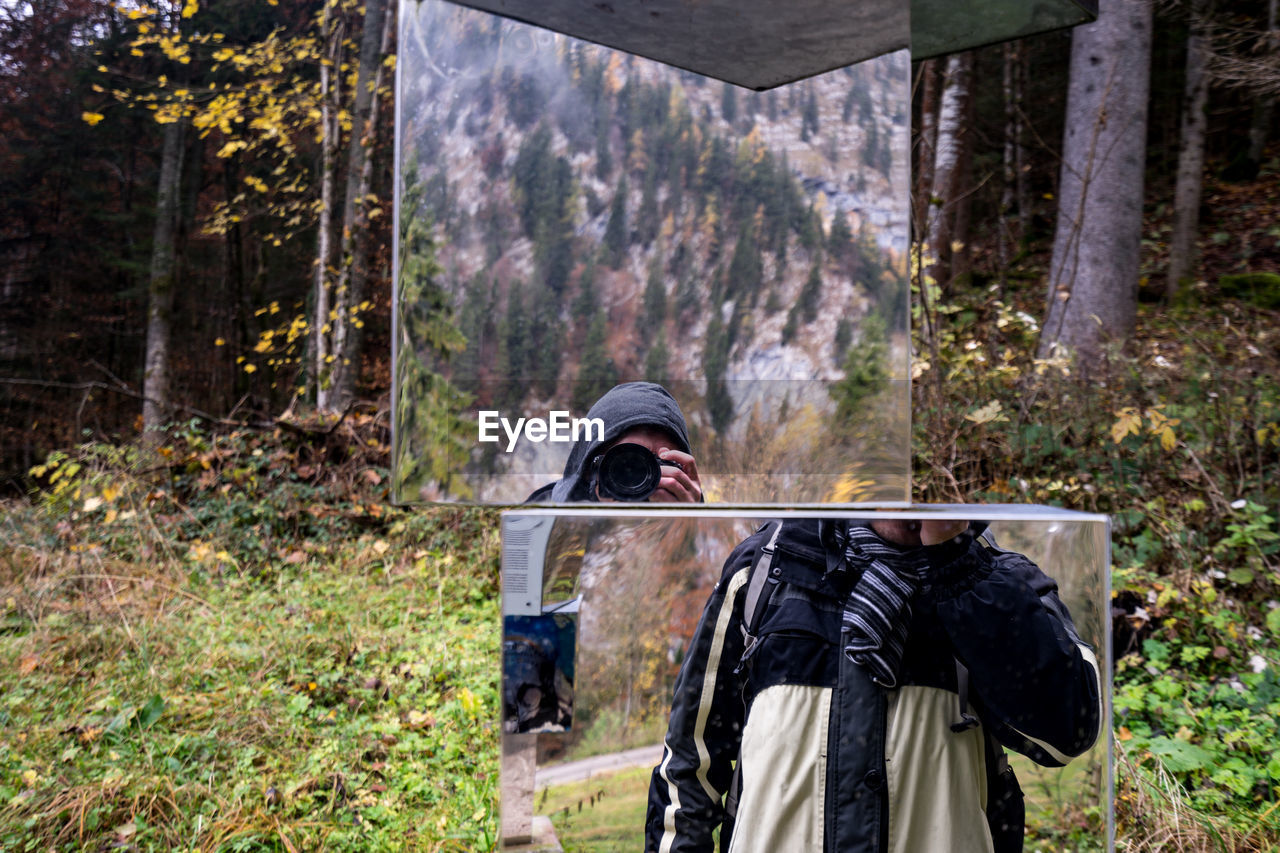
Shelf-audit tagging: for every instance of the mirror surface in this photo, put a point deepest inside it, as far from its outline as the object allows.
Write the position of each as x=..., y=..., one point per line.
x=571, y=217
x=639, y=587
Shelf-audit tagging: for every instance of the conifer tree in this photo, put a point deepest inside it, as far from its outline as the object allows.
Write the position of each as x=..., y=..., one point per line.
x=811, y=295
x=715, y=360
x=729, y=103
x=865, y=373
x=616, y=236
x=647, y=216
x=597, y=372
x=655, y=299
x=585, y=303
x=657, y=361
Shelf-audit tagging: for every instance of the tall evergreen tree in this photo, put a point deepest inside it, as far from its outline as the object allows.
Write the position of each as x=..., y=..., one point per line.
x=746, y=269
x=616, y=233
x=585, y=303
x=811, y=295
x=655, y=299
x=596, y=372
x=809, y=118
x=647, y=216
x=729, y=103
x=865, y=371
x=656, y=363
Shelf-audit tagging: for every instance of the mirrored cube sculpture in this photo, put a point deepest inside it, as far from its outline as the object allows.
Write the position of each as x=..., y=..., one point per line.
x=571, y=217
x=638, y=586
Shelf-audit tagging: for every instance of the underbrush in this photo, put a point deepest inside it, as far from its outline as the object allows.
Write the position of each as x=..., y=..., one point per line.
x=1177, y=437
x=227, y=644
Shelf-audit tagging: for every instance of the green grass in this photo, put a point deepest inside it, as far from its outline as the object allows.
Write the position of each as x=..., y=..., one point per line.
x=339, y=696
x=587, y=822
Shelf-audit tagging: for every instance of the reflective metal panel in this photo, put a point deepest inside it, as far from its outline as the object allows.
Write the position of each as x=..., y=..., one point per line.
x=572, y=217
x=759, y=44
x=639, y=588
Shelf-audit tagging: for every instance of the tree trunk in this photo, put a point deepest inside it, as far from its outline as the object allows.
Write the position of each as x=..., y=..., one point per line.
x=1186, y=196
x=374, y=43
x=1093, y=276
x=1264, y=105
x=1009, y=164
x=1021, y=73
x=929, y=103
x=949, y=154
x=318, y=347
x=155, y=387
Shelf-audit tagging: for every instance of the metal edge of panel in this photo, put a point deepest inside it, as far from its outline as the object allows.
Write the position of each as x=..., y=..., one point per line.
x=1086, y=12
x=772, y=82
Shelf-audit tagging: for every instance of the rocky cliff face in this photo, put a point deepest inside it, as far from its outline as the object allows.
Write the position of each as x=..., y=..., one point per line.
x=602, y=217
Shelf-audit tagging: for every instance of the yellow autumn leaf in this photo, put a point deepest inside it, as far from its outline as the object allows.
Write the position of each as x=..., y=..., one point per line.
x=1167, y=439
x=249, y=368
x=91, y=118
x=1128, y=421
x=190, y=8
x=992, y=411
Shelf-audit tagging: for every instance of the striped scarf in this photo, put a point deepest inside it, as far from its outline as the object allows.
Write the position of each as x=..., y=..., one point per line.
x=878, y=610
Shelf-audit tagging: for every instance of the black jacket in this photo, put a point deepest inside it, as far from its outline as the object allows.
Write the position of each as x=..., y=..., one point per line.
x=830, y=761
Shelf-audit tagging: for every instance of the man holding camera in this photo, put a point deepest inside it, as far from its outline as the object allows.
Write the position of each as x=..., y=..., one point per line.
x=852, y=685
x=644, y=454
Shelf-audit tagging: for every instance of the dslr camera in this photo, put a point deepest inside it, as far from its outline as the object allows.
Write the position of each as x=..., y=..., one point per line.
x=628, y=472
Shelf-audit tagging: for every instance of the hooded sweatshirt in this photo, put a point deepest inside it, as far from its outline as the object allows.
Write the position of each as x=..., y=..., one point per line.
x=622, y=408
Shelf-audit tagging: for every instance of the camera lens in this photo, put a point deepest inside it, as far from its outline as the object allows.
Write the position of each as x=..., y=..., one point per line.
x=628, y=472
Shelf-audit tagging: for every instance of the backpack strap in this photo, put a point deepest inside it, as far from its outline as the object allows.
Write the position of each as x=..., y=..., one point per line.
x=760, y=586
x=966, y=720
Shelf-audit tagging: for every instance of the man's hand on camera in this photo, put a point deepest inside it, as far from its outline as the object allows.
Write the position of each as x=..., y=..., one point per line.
x=677, y=485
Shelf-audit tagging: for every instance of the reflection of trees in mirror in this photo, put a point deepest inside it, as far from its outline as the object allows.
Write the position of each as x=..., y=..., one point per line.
x=643, y=586
x=631, y=193
x=428, y=449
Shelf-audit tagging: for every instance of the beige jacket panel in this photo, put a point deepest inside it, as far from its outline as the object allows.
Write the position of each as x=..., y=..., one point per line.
x=937, y=780
x=784, y=771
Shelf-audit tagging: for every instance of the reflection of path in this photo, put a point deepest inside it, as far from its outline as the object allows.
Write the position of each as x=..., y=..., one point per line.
x=576, y=771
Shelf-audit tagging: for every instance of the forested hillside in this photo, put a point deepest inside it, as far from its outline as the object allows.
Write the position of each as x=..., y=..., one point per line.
x=226, y=638
x=601, y=217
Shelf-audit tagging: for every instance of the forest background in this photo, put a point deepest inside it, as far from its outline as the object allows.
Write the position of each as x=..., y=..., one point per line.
x=217, y=635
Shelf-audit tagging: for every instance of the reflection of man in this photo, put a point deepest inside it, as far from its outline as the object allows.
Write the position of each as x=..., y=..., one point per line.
x=646, y=416
x=537, y=673
x=865, y=693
